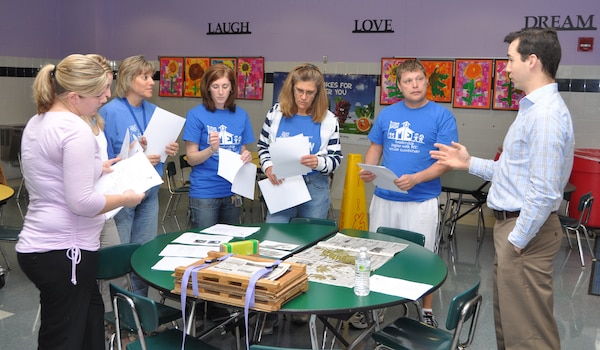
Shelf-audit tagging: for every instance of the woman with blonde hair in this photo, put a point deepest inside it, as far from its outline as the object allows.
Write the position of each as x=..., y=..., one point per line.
x=130, y=112
x=57, y=248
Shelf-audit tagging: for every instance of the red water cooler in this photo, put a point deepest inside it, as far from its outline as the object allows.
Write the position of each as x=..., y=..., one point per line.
x=586, y=178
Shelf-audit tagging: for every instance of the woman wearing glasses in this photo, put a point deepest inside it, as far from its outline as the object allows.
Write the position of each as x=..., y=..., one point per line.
x=302, y=109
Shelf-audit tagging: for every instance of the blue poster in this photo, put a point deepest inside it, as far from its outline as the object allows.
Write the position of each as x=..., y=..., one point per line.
x=351, y=99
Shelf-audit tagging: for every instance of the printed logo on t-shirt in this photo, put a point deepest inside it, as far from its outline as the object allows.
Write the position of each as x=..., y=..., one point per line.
x=226, y=138
x=403, y=138
x=134, y=132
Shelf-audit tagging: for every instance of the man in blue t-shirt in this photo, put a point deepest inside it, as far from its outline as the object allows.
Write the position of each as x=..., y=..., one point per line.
x=401, y=138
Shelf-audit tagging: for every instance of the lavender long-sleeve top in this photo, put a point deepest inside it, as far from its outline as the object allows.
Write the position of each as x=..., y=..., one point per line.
x=61, y=162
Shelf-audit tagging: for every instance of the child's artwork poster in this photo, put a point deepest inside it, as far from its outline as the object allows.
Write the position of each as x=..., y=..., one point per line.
x=506, y=97
x=389, y=92
x=351, y=99
x=171, y=76
x=194, y=71
x=230, y=61
x=473, y=83
x=250, y=78
x=439, y=76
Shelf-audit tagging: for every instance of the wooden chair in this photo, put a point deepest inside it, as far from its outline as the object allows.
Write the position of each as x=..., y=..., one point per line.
x=406, y=333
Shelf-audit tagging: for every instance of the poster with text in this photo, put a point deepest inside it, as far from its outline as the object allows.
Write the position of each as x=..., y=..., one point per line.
x=351, y=99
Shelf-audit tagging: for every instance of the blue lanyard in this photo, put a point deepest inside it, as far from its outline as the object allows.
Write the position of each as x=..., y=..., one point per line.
x=134, y=117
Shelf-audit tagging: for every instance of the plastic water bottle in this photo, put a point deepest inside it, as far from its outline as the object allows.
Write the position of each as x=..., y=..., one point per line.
x=362, y=273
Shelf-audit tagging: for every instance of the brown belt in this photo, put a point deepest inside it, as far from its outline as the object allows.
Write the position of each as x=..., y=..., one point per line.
x=503, y=215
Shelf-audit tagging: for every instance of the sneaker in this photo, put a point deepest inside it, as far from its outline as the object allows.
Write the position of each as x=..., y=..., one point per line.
x=359, y=321
x=429, y=320
x=271, y=322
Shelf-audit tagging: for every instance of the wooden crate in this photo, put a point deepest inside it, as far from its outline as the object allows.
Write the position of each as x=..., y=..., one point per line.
x=230, y=289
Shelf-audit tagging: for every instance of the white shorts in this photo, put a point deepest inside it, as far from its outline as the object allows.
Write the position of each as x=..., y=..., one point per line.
x=422, y=217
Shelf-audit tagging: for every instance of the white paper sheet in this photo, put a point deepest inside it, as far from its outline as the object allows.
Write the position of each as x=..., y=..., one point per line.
x=164, y=128
x=231, y=230
x=193, y=238
x=124, y=154
x=128, y=147
x=241, y=175
x=286, y=153
x=189, y=251
x=135, y=173
x=291, y=192
x=384, y=177
x=398, y=287
x=169, y=263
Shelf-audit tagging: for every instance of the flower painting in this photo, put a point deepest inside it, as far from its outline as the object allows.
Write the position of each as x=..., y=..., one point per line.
x=171, y=76
x=389, y=92
x=250, y=78
x=439, y=76
x=505, y=95
x=472, y=86
x=194, y=70
x=230, y=61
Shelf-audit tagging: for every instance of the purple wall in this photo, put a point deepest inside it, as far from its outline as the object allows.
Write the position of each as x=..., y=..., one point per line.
x=284, y=30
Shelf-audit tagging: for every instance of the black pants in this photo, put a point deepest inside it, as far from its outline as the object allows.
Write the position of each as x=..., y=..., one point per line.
x=72, y=316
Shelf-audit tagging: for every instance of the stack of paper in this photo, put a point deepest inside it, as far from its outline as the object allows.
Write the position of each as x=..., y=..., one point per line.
x=189, y=247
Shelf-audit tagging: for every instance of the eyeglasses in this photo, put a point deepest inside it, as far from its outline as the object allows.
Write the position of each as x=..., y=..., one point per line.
x=308, y=93
x=419, y=80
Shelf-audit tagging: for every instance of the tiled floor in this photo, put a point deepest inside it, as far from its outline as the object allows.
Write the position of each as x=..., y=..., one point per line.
x=577, y=312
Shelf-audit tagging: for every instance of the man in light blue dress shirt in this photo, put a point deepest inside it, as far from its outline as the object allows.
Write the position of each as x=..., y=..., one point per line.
x=527, y=189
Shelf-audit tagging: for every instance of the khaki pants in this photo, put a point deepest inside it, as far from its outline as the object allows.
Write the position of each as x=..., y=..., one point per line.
x=523, y=289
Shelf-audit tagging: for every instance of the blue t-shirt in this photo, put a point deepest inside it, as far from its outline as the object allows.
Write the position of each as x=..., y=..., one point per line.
x=302, y=125
x=407, y=135
x=119, y=117
x=235, y=130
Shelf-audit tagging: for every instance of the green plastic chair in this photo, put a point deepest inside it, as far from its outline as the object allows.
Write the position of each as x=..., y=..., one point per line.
x=327, y=222
x=412, y=236
x=115, y=261
x=415, y=237
x=407, y=333
x=141, y=314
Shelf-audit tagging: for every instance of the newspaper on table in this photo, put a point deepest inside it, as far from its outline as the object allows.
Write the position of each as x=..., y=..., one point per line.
x=275, y=249
x=332, y=261
x=247, y=268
